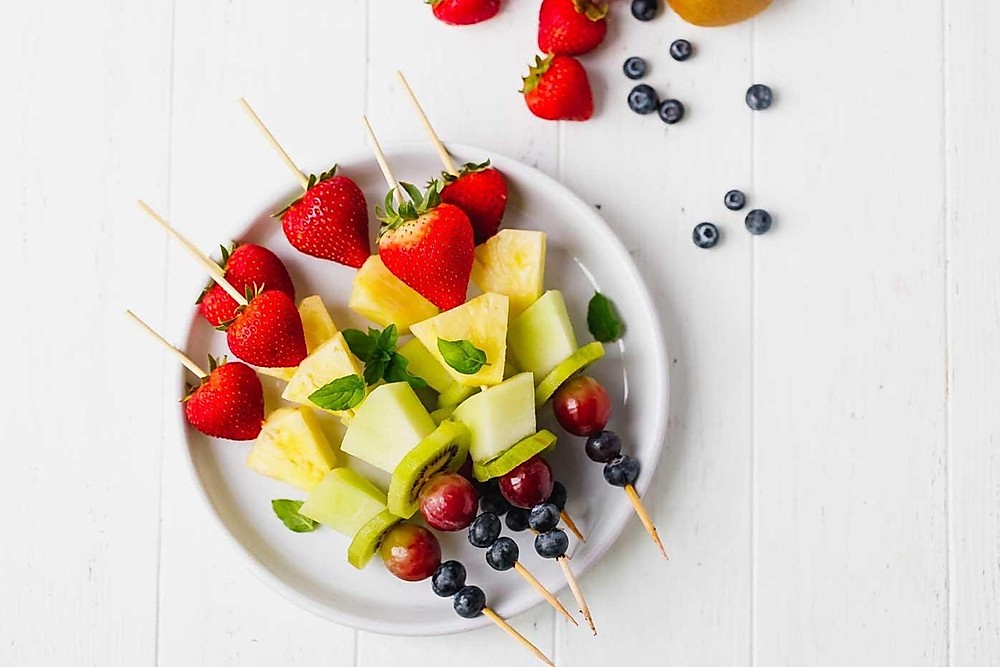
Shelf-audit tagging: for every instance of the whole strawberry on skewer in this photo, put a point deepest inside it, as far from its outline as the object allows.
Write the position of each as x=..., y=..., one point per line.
x=571, y=27
x=227, y=403
x=244, y=266
x=557, y=88
x=330, y=219
x=464, y=12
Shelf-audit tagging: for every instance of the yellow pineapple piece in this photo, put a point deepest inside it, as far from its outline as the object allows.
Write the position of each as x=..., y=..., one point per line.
x=292, y=448
x=482, y=322
x=331, y=360
x=385, y=299
x=318, y=327
x=512, y=263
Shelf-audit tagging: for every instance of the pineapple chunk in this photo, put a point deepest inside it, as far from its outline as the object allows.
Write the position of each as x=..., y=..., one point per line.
x=385, y=299
x=423, y=364
x=331, y=361
x=318, y=327
x=512, y=263
x=482, y=322
x=292, y=448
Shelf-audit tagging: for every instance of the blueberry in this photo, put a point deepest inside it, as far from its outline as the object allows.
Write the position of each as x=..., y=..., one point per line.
x=645, y=10
x=558, y=495
x=680, y=50
x=494, y=503
x=485, y=530
x=622, y=471
x=470, y=602
x=448, y=578
x=735, y=200
x=635, y=67
x=643, y=99
x=544, y=517
x=671, y=111
x=552, y=544
x=604, y=446
x=502, y=554
x=758, y=97
x=705, y=235
x=758, y=222
x=517, y=519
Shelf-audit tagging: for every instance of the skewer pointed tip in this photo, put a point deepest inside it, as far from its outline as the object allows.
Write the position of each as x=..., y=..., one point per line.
x=647, y=522
x=568, y=520
x=506, y=627
x=544, y=592
x=577, y=593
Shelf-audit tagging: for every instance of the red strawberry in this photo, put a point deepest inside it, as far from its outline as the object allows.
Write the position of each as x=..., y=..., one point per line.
x=248, y=267
x=557, y=88
x=428, y=245
x=464, y=12
x=330, y=220
x=268, y=332
x=228, y=404
x=480, y=191
x=571, y=27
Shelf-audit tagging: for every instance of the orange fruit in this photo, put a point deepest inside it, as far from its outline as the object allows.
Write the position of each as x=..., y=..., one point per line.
x=717, y=12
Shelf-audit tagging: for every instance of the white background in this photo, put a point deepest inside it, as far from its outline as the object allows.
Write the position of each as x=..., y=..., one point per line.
x=830, y=491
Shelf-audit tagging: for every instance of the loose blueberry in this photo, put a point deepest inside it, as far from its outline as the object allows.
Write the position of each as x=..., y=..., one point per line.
x=448, y=578
x=735, y=200
x=758, y=222
x=705, y=235
x=552, y=544
x=543, y=517
x=680, y=50
x=494, y=503
x=671, y=111
x=645, y=10
x=622, y=471
x=485, y=530
x=759, y=97
x=635, y=67
x=558, y=495
x=469, y=602
x=643, y=99
x=517, y=519
x=502, y=554
x=603, y=447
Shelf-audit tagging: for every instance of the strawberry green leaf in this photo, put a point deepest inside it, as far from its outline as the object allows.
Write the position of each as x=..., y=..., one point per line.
x=288, y=511
x=603, y=321
x=341, y=394
x=396, y=372
x=462, y=355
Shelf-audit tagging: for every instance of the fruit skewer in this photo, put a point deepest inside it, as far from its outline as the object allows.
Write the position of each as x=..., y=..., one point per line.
x=446, y=160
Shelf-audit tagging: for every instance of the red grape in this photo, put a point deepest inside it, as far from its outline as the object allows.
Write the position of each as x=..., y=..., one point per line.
x=410, y=552
x=449, y=502
x=582, y=406
x=528, y=484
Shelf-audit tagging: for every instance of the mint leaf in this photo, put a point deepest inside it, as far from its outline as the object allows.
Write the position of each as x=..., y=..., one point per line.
x=375, y=369
x=396, y=372
x=387, y=339
x=341, y=394
x=462, y=355
x=375, y=348
x=603, y=320
x=288, y=512
x=360, y=343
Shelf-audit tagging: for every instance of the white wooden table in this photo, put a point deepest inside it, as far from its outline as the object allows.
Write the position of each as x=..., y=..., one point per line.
x=830, y=489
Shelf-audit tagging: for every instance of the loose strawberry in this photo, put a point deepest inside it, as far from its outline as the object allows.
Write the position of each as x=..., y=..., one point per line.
x=557, y=88
x=268, y=332
x=330, y=220
x=481, y=192
x=228, y=404
x=248, y=267
x=428, y=245
x=464, y=12
x=571, y=27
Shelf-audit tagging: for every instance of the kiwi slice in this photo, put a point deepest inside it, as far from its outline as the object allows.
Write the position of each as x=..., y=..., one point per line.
x=455, y=394
x=575, y=363
x=369, y=538
x=540, y=442
x=444, y=450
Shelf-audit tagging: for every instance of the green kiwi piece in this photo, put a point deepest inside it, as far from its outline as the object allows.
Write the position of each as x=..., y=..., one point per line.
x=455, y=394
x=540, y=442
x=444, y=450
x=369, y=538
x=575, y=363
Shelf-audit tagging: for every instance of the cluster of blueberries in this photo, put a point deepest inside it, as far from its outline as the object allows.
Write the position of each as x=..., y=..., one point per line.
x=606, y=447
x=643, y=99
x=757, y=222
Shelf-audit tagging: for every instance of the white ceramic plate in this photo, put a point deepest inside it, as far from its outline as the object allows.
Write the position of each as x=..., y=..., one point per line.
x=311, y=569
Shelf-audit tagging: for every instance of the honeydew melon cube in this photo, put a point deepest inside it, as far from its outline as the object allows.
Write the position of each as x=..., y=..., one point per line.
x=542, y=337
x=499, y=417
x=389, y=423
x=423, y=364
x=344, y=501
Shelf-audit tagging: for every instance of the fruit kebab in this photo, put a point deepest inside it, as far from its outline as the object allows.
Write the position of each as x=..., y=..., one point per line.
x=228, y=402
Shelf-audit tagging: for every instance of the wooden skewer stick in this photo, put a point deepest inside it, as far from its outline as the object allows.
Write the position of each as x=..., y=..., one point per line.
x=183, y=358
x=505, y=626
x=544, y=592
x=213, y=269
x=647, y=522
x=285, y=157
x=446, y=159
x=577, y=593
x=568, y=520
x=383, y=164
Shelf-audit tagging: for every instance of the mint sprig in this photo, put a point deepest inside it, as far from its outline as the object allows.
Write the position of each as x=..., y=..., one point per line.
x=288, y=511
x=341, y=394
x=462, y=355
x=377, y=349
x=603, y=321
